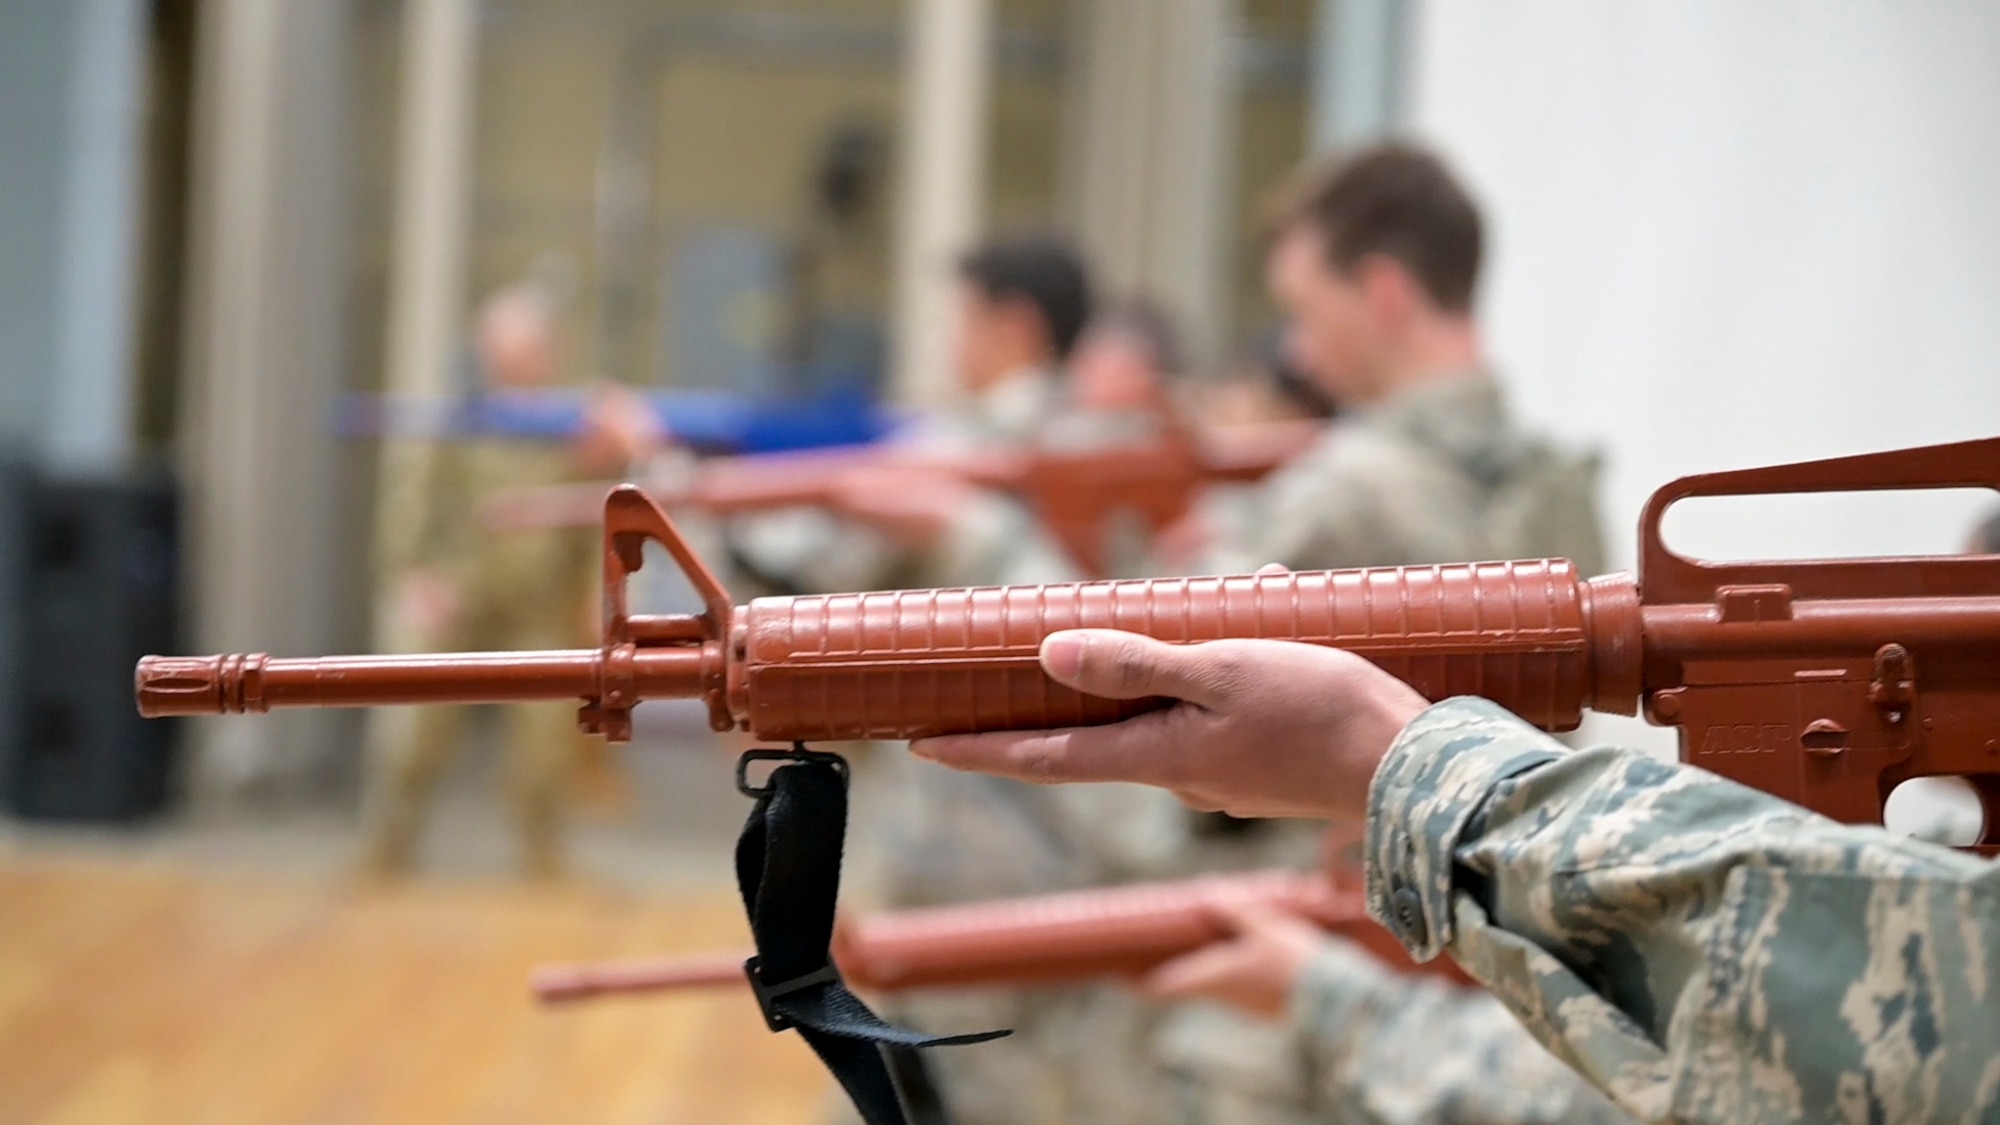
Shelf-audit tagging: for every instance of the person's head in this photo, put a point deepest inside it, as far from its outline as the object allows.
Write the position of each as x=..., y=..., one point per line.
x=1262, y=385
x=1125, y=358
x=1297, y=394
x=1023, y=303
x=516, y=337
x=1985, y=539
x=851, y=175
x=1374, y=260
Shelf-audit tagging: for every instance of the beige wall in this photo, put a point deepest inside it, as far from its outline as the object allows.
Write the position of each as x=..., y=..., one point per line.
x=1270, y=142
x=733, y=139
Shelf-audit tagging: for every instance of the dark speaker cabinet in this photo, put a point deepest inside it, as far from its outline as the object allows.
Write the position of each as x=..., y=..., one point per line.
x=96, y=567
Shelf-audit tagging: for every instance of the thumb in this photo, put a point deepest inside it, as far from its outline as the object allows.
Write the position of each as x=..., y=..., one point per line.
x=1116, y=665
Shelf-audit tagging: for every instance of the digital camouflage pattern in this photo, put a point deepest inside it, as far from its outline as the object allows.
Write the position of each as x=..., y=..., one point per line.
x=523, y=590
x=1438, y=473
x=1365, y=1044
x=1700, y=951
x=522, y=581
x=1402, y=1050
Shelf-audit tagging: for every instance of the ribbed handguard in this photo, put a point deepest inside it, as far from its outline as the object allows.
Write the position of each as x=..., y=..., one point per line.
x=902, y=664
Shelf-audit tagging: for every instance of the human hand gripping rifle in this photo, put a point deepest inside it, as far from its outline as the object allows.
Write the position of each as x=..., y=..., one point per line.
x=1823, y=682
x=1079, y=496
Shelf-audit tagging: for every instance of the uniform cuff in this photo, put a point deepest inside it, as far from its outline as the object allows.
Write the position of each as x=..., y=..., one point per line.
x=1431, y=784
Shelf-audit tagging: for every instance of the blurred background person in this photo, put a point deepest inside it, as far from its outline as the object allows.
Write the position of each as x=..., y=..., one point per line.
x=1262, y=384
x=1021, y=304
x=1375, y=258
x=834, y=330
x=928, y=836
x=467, y=589
x=1123, y=378
x=1985, y=538
x=1128, y=379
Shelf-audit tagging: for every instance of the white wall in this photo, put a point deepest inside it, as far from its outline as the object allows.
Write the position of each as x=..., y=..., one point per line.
x=1735, y=232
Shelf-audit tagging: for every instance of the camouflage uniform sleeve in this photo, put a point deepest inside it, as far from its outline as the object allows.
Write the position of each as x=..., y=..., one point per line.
x=1391, y=1049
x=1700, y=951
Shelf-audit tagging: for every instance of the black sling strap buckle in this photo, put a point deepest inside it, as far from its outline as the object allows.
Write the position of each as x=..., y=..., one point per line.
x=768, y=994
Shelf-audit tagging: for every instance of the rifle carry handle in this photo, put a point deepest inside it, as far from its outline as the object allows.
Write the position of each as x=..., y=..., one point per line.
x=1829, y=682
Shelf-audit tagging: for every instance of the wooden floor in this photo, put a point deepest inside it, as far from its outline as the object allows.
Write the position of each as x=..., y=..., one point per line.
x=136, y=995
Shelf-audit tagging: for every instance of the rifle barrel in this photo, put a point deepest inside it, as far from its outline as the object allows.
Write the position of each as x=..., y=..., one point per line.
x=235, y=683
x=557, y=983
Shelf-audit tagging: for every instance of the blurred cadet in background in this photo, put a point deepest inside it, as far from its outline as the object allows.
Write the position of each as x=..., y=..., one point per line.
x=1121, y=378
x=1126, y=358
x=1986, y=537
x=1375, y=261
x=459, y=588
x=839, y=262
x=1022, y=305
x=1262, y=384
x=939, y=836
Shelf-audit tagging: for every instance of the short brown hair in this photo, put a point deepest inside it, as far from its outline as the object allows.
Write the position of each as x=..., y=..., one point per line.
x=1397, y=200
x=1043, y=270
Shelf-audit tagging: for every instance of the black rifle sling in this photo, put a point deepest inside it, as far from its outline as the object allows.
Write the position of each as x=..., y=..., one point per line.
x=788, y=868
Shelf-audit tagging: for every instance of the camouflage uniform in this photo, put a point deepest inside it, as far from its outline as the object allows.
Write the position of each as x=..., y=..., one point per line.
x=522, y=590
x=992, y=541
x=1700, y=951
x=1365, y=1044
x=1437, y=473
